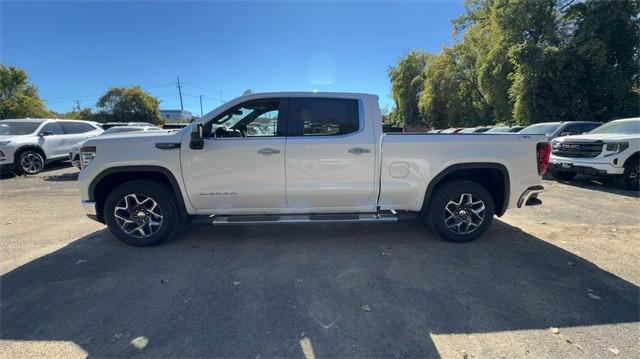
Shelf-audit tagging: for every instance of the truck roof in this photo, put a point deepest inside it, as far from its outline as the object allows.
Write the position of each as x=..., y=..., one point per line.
x=306, y=94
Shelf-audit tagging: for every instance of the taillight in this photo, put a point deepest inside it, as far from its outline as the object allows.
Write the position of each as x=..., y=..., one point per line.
x=543, y=151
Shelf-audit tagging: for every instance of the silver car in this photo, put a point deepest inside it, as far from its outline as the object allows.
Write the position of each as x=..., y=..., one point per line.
x=27, y=145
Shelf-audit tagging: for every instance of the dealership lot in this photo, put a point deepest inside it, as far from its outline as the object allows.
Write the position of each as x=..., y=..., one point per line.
x=557, y=280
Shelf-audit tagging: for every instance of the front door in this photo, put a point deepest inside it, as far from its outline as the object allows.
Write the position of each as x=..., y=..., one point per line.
x=241, y=167
x=330, y=156
x=52, y=141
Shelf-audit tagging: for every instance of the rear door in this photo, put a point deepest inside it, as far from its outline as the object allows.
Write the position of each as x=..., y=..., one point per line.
x=51, y=143
x=330, y=156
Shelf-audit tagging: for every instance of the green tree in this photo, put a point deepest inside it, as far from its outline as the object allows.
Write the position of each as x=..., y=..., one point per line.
x=600, y=63
x=531, y=61
x=406, y=85
x=132, y=104
x=18, y=98
x=451, y=95
x=84, y=114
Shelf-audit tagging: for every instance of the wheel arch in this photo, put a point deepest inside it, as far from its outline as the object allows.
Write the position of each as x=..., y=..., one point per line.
x=635, y=156
x=26, y=147
x=110, y=178
x=492, y=176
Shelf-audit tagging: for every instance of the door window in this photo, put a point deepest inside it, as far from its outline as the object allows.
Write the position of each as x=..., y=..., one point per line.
x=71, y=128
x=52, y=127
x=257, y=118
x=323, y=116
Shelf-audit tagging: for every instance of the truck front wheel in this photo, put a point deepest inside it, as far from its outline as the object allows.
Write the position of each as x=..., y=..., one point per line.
x=141, y=213
x=460, y=211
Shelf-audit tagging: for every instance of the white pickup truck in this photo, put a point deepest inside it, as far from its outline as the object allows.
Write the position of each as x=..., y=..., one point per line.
x=298, y=157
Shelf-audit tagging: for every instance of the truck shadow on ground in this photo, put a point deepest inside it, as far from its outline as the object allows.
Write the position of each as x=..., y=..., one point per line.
x=351, y=290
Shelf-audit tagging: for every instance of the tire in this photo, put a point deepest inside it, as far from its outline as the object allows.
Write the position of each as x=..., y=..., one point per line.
x=140, y=206
x=631, y=176
x=29, y=162
x=563, y=175
x=444, y=212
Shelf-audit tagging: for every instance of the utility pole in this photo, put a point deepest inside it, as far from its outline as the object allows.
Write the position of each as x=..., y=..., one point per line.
x=221, y=100
x=200, y=105
x=180, y=93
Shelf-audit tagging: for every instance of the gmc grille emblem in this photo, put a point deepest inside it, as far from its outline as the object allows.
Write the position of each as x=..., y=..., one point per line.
x=571, y=147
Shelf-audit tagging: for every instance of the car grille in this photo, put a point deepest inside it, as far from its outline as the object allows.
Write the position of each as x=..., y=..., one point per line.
x=577, y=149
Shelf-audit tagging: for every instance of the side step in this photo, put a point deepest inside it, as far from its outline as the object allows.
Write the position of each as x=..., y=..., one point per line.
x=302, y=218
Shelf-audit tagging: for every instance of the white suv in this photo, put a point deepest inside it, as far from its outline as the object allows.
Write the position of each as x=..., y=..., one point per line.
x=28, y=144
x=612, y=149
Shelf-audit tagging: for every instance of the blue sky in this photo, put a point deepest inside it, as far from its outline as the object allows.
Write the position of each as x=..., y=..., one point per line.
x=76, y=50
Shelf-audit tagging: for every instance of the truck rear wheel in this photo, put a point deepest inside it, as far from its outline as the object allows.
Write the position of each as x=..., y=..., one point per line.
x=460, y=211
x=141, y=213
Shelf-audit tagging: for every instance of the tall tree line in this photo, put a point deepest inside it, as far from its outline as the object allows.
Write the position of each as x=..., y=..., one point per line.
x=19, y=99
x=523, y=62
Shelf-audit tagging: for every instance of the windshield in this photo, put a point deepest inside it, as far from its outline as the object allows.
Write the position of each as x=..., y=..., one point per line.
x=499, y=129
x=541, y=129
x=468, y=130
x=121, y=129
x=625, y=127
x=18, y=127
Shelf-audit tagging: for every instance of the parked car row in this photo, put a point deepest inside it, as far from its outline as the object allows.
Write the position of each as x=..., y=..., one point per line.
x=28, y=145
x=583, y=147
x=550, y=129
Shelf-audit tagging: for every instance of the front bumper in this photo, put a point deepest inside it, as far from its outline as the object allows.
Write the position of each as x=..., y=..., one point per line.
x=90, y=210
x=563, y=164
x=6, y=156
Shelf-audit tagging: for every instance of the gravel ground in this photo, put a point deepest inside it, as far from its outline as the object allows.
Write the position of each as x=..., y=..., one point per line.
x=559, y=280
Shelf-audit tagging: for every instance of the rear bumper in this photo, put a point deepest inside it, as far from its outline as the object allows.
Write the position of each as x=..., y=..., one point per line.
x=74, y=158
x=530, y=196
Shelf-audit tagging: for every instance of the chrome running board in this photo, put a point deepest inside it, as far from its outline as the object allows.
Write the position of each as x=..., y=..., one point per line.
x=220, y=220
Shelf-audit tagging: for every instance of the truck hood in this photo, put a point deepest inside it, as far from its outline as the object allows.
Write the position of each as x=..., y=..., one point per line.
x=134, y=137
x=599, y=137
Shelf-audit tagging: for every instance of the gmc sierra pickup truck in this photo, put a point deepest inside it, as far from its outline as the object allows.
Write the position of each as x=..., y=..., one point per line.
x=297, y=157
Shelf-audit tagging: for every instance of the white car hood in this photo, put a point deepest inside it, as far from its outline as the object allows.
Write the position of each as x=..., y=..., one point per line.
x=599, y=136
x=12, y=137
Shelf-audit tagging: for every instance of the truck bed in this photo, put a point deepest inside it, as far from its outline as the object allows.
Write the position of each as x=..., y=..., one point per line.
x=410, y=161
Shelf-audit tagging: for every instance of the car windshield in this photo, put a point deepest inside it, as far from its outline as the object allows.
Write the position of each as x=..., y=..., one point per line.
x=540, y=129
x=18, y=127
x=626, y=127
x=499, y=129
x=121, y=129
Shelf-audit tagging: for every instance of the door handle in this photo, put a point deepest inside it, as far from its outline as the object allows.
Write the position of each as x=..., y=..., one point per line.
x=358, y=150
x=268, y=151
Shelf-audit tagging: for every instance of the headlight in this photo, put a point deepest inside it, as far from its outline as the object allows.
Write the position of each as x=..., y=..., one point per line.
x=2, y=143
x=87, y=154
x=616, y=147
